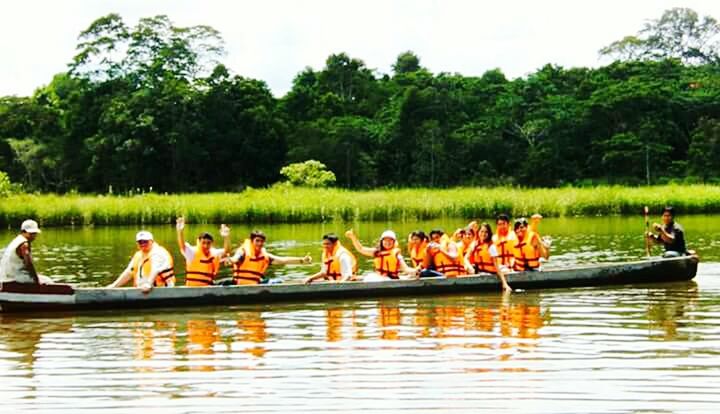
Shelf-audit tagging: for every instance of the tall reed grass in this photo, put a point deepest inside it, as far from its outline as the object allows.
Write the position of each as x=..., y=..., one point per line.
x=288, y=204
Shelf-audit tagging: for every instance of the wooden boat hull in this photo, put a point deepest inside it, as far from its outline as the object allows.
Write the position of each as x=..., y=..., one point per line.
x=18, y=298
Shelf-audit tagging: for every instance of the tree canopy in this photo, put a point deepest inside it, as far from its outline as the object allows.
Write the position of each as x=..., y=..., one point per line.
x=152, y=106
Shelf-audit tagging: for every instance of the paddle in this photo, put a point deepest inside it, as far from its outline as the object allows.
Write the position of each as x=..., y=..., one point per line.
x=647, y=230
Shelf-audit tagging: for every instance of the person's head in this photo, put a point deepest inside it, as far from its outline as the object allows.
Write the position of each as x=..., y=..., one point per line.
x=205, y=241
x=436, y=235
x=144, y=240
x=502, y=221
x=520, y=227
x=468, y=235
x=418, y=237
x=257, y=238
x=387, y=240
x=29, y=229
x=668, y=215
x=485, y=233
x=329, y=241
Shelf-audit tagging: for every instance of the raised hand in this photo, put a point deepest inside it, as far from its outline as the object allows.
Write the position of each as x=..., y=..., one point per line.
x=224, y=230
x=180, y=223
x=350, y=234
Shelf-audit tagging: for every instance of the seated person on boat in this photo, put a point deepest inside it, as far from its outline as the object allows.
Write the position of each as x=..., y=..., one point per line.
x=527, y=248
x=251, y=260
x=151, y=266
x=483, y=257
x=442, y=257
x=16, y=263
x=202, y=261
x=417, y=248
x=388, y=262
x=338, y=264
x=670, y=234
x=504, y=240
x=464, y=238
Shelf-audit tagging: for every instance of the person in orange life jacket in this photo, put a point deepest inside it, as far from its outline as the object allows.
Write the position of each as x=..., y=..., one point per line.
x=504, y=240
x=483, y=256
x=251, y=260
x=151, y=266
x=417, y=248
x=202, y=261
x=442, y=257
x=338, y=264
x=466, y=237
x=16, y=262
x=388, y=262
x=528, y=248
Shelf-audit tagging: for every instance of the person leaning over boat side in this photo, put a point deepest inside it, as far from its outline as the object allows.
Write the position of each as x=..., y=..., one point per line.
x=527, y=248
x=338, y=264
x=388, y=262
x=16, y=263
x=251, y=260
x=504, y=240
x=202, y=261
x=483, y=256
x=442, y=257
x=417, y=248
x=670, y=234
x=151, y=266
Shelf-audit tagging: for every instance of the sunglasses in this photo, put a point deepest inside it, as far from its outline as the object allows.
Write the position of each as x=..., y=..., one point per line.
x=143, y=242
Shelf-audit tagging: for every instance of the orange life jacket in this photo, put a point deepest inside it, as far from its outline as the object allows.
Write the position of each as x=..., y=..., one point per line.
x=481, y=259
x=526, y=256
x=251, y=269
x=386, y=263
x=418, y=253
x=142, y=266
x=202, y=270
x=443, y=264
x=504, y=246
x=333, y=261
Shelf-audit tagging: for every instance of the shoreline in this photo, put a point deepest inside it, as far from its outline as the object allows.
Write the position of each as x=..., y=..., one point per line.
x=283, y=204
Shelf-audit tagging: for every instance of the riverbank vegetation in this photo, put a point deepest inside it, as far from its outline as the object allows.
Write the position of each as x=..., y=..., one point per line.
x=150, y=106
x=283, y=203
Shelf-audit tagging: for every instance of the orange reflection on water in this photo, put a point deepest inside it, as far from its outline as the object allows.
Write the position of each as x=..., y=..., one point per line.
x=252, y=328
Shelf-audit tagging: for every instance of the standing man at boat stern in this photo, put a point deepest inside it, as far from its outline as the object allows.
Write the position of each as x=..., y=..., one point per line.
x=151, y=266
x=16, y=263
x=670, y=234
x=202, y=261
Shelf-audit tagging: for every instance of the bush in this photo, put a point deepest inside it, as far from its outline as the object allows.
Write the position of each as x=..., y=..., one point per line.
x=310, y=173
x=6, y=186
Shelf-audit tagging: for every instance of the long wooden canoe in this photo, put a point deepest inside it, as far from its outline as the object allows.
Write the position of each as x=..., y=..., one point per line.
x=17, y=297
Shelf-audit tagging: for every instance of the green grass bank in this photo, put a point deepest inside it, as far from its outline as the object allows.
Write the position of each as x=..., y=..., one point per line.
x=298, y=205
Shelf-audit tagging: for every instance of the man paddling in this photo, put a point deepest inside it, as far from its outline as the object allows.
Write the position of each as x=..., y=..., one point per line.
x=17, y=263
x=151, y=266
x=670, y=234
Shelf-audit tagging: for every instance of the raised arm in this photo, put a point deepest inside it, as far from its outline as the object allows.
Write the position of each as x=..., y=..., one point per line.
x=180, y=227
x=225, y=233
x=365, y=251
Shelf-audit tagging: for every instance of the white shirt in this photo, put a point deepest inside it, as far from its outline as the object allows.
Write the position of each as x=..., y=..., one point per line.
x=12, y=266
x=190, y=250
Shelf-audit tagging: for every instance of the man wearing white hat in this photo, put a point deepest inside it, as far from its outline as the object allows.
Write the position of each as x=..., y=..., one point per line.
x=151, y=266
x=16, y=263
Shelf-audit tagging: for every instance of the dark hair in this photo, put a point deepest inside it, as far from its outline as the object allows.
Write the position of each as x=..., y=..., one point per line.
x=257, y=234
x=331, y=237
x=487, y=227
x=420, y=234
x=522, y=221
x=502, y=217
x=436, y=231
x=205, y=236
x=669, y=209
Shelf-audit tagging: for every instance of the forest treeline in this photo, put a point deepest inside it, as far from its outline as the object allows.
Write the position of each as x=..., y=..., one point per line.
x=152, y=106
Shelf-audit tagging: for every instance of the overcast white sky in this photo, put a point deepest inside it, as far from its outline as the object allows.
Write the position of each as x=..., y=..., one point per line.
x=273, y=40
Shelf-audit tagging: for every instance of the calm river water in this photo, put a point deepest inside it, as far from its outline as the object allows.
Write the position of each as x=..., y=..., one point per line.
x=642, y=348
